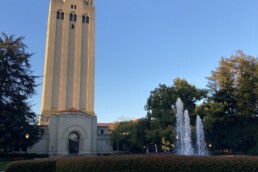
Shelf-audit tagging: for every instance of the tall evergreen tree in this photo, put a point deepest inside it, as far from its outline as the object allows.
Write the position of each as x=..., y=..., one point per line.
x=17, y=85
x=235, y=83
x=232, y=106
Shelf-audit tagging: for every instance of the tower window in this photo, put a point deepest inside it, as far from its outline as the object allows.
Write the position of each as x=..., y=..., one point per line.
x=72, y=26
x=62, y=15
x=71, y=17
x=58, y=15
x=73, y=6
x=75, y=17
x=85, y=19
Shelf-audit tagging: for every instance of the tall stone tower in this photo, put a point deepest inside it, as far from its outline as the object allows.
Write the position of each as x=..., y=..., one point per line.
x=67, y=110
x=69, y=60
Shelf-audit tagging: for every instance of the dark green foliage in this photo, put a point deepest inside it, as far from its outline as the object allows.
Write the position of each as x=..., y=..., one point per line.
x=233, y=135
x=17, y=85
x=140, y=163
x=159, y=163
x=32, y=166
x=130, y=136
x=234, y=84
x=231, y=112
x=20, y=156
x=3, y=165
x=157, y=128
x=162, y=98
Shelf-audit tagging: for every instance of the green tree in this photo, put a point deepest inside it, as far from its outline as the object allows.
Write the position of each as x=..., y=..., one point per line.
x=158, y=126
x=161, y=100
x=17, y=85
x=161, y=111
x=232, y=105
x=130, y=135
x=234, y=84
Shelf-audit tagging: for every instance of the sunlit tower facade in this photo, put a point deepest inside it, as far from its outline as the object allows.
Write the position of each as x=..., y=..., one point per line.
x=69, y=58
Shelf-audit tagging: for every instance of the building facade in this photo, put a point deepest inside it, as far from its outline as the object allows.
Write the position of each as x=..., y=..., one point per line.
x=67, y=115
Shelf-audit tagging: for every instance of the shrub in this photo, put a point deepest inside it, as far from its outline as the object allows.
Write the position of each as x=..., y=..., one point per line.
x=159, y=163
x=20, y=156
x=32, y=166
x=140, y=163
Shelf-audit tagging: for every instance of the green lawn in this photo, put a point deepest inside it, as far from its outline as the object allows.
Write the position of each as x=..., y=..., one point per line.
x=3, y=164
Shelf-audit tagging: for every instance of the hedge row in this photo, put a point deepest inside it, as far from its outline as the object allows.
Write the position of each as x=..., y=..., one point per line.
x=15, y=156
x=142, y=163
x=32, y=166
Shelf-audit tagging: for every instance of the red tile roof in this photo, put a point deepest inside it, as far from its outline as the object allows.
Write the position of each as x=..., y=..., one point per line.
x=110, y=126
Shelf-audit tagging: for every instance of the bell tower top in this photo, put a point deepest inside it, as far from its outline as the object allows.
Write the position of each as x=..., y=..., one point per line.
x=89, y=2
x=86, y=2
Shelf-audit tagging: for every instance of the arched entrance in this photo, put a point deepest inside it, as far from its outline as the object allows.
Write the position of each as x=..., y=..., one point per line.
x=74, y=143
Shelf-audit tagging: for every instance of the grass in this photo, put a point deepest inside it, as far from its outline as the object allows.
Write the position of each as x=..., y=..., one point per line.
x=3, y=164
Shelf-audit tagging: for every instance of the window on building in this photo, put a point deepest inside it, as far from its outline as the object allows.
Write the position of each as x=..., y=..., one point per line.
x=75, y=7
x=87, y=20
x=71, y=17
x=102, y=132
x=72, y=26
x=83, y=19
x=62, y=15
x=75, y=17
x=58, y=15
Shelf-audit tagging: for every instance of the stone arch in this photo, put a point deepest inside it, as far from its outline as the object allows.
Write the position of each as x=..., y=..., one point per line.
x=81, y=131
x=60, y=14
x=75, y=129
x=85, y=18
x=73, y=16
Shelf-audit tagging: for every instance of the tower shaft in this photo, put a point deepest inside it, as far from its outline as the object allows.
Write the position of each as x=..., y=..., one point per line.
x=69, y=58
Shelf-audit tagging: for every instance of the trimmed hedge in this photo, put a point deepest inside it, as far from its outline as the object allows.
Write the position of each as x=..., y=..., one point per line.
x=140, y=163
x=20, y=156
x=159, y=163
x=32, y=166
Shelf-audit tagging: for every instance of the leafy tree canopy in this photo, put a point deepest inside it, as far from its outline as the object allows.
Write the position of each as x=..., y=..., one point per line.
x=232, y=108
x=17, y=85
x=158, y=126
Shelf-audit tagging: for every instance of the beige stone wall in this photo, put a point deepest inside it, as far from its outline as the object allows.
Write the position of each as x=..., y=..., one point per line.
x=69, y=58
x=62, y=125
x=41, y=147
x=104, y=141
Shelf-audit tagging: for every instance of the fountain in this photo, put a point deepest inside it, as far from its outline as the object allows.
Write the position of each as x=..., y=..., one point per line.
x=183, y=131
x=200, y=141
x=188, y=149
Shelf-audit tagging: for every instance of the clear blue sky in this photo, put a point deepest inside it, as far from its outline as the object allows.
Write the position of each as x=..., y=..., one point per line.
x=141, y=43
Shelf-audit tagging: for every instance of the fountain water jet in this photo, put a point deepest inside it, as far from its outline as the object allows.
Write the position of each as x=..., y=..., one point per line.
x=188, y=149
x=183, y=130
x=200, y=139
